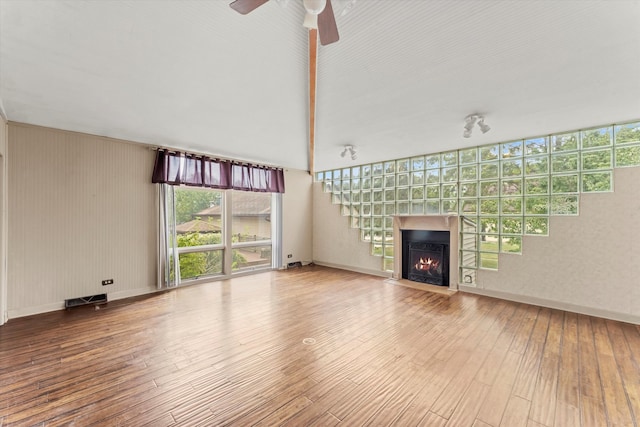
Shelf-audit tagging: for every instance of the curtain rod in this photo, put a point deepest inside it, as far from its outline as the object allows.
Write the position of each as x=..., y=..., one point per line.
x=234, y=161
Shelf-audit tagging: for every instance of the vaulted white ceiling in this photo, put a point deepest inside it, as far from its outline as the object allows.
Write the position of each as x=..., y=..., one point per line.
x=198, y=76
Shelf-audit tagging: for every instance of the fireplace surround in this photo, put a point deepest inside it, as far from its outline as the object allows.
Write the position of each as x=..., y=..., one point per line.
x=432, y=223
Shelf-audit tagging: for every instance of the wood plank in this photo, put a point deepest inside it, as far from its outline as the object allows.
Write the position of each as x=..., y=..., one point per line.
x=628, y=365
x=592, y=408
x=231, y=353
x=543, y=402
x=499, y=394
x=431, y=420
x=469, y=406
x=517, y=412
x=568, y=395
x=528, y=373
x=615, y=396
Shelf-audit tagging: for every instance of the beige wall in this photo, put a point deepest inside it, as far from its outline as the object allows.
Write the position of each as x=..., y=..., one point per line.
x=335, y=243
x=589, y=263
x=4, y=137
x=83, y=209
x=297, y=215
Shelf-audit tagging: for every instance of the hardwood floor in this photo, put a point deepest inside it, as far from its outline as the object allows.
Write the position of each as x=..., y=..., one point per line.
x=232, y=353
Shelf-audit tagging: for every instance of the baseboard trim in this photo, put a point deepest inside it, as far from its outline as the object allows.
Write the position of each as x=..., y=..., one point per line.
x=354, y=269
x=574, y=308
x=442, y=290
x=46, y=308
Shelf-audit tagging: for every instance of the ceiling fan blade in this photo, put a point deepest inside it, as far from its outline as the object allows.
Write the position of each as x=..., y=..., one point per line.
x=327, y=28
x=246, y=6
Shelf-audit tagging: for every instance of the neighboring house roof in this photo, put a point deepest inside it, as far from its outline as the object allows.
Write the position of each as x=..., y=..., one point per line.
x=198, y=226
x=244, y=204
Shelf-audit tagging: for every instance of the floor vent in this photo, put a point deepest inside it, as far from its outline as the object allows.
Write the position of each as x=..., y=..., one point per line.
x=93, y=299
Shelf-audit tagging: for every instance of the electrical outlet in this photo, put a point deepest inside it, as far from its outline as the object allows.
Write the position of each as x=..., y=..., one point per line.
x=290, y=256
x=107, y=282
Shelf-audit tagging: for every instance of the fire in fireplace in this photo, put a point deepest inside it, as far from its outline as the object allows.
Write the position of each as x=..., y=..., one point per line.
x=425, y=256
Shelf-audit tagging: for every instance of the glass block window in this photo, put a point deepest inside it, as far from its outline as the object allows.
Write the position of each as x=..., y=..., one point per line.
x=538, y=165
x=564, y=205
x=536, y=146
x=564, y=183
x=417, y=178
x=417, y=163
x=512, y=167
x=511, y=149
x=511, y=244
x=417, y=208
x=489, y=153
x=564, y=162
x=468, y=156
x=389, y=167
x=627, y=134
x=449, y=207
x=489, y=170
x=597, y=159
x=511, y=206
x=602, y=137
x=450, y=174
x=536, y=185
x=536, y=226
x=432, y=176
x=432, y=207
x=469, y=173
x=597, y=181
x=449, y=159
x=432, y=161
x=564, y=142
x=502, y=192
x=511, y=226
x=489, y=261
x=389, y=181
x=627, y=156
x=432, y=191
x=417, y=193
x=468, y=189
x=469, y=207
x=538, y=205
x=402, y=165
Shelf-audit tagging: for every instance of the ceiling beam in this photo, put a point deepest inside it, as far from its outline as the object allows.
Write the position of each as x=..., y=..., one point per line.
x=313, y=75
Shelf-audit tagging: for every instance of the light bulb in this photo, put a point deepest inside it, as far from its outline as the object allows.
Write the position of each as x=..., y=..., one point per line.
x=483, y=127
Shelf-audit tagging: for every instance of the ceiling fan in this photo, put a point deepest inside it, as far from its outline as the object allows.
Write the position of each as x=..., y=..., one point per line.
x=319, y=16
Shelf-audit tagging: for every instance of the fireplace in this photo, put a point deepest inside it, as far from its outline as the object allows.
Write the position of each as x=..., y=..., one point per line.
x=404, y=225
x=425, y=256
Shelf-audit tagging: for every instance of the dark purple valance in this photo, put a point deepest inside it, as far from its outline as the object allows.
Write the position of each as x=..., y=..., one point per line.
x=178, y=168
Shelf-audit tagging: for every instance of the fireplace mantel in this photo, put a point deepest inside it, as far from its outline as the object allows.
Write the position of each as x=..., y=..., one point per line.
x=427, y=222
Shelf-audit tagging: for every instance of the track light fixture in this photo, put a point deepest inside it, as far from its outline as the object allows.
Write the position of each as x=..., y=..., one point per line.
x=470, y=121
x=349, y=149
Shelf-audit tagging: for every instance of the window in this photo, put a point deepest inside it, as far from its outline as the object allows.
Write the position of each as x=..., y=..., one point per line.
x=502, y=191
x=216, y=233
x=251, y=230
x=199, y=232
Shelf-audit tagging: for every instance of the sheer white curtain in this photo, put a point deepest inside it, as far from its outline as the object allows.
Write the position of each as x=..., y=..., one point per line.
x=168, y=262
